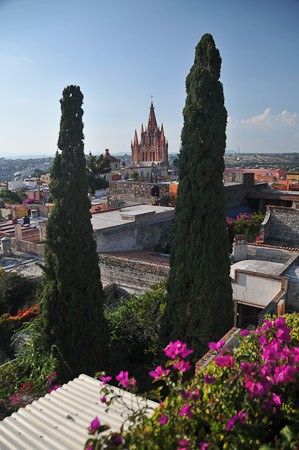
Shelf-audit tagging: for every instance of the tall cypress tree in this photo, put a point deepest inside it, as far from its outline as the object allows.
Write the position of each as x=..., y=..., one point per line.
x=200, y=307
x=72, y=297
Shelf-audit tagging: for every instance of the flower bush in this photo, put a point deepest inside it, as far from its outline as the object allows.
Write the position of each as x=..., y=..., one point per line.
x=9, y=324
x=30, y=375
x=247, y=224
x=247, y=398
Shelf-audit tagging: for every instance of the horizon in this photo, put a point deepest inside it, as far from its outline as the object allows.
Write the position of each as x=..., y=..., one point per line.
x=122, y=55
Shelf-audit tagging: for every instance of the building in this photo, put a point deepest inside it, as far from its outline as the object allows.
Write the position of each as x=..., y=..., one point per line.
x=265, y=280
x=152, y=146
x=143, y=227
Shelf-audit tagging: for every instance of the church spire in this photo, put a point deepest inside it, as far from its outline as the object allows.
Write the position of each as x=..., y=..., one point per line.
x=152, y=122
x=135, y=138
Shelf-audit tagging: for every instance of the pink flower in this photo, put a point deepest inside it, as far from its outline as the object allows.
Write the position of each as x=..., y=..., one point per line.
x=225, y=361
x=94, y=425
x=276, y=399
x=123, y=379
x=104, y=379
x=216, y=346
x=53, y=388
x=158, y=373
x=244, y=333
x=195, y=395
x=183, y=444
x=163, y=419
x=240, y=417
x=203, y=445
x=181, y=365
x=177, y=348
x=285, y=374
x=185, y=411
x=246, y=367
x=209, y=379
x=256, y=389
x=103, y=399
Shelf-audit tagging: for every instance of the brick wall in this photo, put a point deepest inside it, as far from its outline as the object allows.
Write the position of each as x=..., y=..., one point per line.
x=281, y=226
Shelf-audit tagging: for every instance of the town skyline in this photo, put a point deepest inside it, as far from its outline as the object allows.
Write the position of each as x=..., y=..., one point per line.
x=125, y=54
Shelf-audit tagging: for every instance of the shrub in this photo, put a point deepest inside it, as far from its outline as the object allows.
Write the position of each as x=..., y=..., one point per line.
x=247, y=224
x=245, y=399
x=15, y=292
x=134, y=329
x=29, y=376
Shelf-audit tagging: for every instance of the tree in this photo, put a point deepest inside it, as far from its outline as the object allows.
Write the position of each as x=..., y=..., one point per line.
x=72, y=297
x=97, y=167
x=200, y=307
x=12, y=197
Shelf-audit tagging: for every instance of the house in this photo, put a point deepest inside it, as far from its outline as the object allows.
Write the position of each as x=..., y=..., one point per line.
x=265, y=279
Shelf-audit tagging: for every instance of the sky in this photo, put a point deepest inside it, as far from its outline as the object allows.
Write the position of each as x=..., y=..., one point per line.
x=125, y=53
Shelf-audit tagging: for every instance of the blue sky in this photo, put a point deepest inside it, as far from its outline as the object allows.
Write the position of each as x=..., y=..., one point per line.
x=122, y=52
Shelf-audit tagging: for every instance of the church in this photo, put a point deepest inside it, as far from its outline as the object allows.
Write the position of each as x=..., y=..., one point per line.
x=152, y=148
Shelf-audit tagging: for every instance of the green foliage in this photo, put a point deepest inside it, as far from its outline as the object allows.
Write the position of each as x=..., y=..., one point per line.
x=12, y=197
x=15, y=292
x=134, y=175
x=26, y=378
x=134, y=329
x=38, y=172
x=9, y=324
x=96, y=168
x=200, y=307
x=72, y=297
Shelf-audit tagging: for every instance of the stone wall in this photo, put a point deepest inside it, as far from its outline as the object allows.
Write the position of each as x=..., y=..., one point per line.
x=281, y=226
x=129, y=193
x=133, y=276
x=153, y=233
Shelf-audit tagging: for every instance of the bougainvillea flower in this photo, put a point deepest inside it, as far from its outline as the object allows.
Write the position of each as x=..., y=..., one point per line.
x=124, y=380
x=216, y=346
x=104, y=379
x=244, y=333
x=94, y=425
x=163, y=419
x=225, y=361
x=177, y=348
x=185, y=411
x=159, y=372
x=208, y=379
x=181, y=365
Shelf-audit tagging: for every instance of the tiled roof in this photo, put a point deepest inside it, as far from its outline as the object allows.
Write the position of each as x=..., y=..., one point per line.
x=59, y=420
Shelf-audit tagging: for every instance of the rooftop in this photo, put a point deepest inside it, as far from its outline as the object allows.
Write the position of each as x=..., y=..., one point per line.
x=114, y=218
x=258, y=266
x=59, y=420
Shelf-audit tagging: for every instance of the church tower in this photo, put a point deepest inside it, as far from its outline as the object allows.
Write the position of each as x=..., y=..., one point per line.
x=152, y=147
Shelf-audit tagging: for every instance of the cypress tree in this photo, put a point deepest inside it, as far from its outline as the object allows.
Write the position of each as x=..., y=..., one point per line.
x=200, y=307
x=72, y=297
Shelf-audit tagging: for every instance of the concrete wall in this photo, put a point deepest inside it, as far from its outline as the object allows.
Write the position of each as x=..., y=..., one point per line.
x=255, y=290
x=270, y=254
x=281, y=226
x=147, y=234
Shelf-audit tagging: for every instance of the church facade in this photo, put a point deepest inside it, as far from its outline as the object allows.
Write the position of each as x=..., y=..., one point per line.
x=152, y=146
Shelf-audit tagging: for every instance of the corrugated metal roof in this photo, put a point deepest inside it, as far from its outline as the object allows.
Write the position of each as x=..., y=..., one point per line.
x=59, y=420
